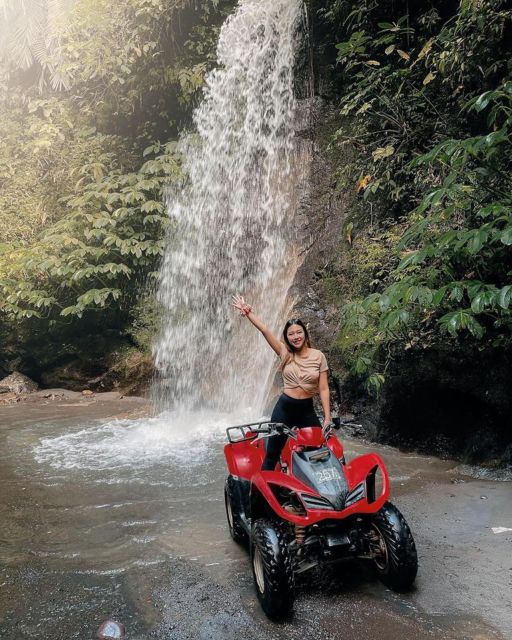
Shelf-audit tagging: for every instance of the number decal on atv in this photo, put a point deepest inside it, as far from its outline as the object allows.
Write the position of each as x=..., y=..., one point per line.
x=326, y=475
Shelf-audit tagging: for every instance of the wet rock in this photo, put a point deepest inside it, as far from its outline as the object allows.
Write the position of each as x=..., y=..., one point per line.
x=354, y=430
x=110, y=630
x=73, y=374
x=453, y=402
x=492, y=473
x=9, y=398
x=130, y=373
x=51, y=395
x=18, y=383
x=359, y=432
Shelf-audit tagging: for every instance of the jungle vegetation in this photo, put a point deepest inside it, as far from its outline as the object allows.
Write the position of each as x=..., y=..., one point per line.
x=423, y=142
x=93, y=96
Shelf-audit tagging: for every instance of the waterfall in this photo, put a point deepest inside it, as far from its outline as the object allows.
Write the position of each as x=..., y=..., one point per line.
x=232, y=218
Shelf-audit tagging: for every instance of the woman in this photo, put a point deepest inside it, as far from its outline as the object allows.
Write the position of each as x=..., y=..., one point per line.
x=304, y=375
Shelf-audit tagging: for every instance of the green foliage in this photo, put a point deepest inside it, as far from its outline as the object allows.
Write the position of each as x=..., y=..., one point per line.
x=456, y=262
x=404, y=90
x=43, y=152
x=428, y=103
x=111, y=235
x=84, y=164
x=113, y=54
x=147, y=319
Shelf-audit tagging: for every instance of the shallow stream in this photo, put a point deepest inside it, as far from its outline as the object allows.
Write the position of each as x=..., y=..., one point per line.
x=123, y=517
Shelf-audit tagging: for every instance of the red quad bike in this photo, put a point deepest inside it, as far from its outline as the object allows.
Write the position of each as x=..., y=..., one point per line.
x=315, y=508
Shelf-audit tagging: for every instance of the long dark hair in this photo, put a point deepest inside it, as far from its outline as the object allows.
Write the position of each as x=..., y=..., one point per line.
x=291, y=322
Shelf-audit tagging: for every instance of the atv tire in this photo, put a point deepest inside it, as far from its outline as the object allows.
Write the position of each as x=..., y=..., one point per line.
x=395, y=557
x=272, y=569
x=232, y=500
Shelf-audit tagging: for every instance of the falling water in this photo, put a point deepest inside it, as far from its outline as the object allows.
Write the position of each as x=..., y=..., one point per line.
x=233, y=217
x=233, y=221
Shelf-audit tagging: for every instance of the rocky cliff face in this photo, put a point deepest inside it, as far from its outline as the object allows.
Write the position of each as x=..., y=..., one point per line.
x=321, y=220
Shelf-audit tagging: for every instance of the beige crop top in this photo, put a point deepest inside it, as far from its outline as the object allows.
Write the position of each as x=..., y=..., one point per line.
x=303, y=372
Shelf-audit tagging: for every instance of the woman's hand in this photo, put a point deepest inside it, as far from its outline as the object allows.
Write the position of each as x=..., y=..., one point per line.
x=239, y=303
x=245, y=310
x=327, y=426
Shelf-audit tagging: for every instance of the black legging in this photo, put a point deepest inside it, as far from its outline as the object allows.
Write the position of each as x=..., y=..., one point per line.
x=293, y=413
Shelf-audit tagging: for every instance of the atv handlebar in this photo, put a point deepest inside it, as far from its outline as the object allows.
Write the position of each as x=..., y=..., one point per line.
x=337, y=423
x=252, y=429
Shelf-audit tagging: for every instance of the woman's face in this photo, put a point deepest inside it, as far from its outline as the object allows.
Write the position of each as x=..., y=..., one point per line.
x=296, y=336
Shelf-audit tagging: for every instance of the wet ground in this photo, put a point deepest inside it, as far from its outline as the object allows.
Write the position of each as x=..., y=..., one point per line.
x=124, y=518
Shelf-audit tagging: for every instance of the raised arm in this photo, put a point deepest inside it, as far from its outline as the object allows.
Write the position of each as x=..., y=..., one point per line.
x=246, y=310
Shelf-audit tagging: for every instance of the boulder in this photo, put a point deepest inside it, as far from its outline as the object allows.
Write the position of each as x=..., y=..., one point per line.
x=18, y=383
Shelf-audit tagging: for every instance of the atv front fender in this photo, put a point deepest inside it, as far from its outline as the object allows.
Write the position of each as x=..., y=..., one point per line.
x=243, y=459
x=361, y=471
x=370, y=470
